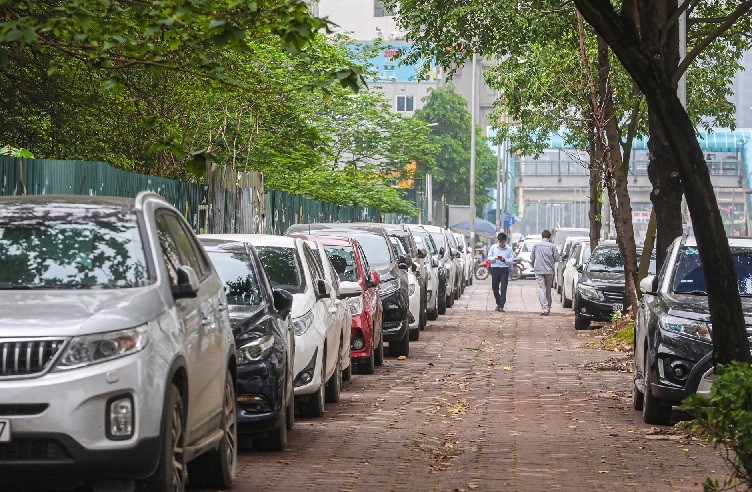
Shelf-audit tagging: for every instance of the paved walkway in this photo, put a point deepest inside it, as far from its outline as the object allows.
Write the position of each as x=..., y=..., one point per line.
x=486, y=401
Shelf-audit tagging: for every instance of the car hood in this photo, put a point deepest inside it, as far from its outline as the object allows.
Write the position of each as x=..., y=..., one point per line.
x=604, y=279
x=696, y=307
x=244, y=321
x=76, y=312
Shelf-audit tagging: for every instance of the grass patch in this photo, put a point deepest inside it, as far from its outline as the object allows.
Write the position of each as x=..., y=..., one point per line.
x=614, y=337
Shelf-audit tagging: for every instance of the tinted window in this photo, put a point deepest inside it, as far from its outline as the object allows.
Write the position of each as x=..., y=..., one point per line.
x=170, y=254
x=342, y=259
x=282, y=266
x=69, y=247
x=689, y=276
x=237, y=275
x=376, y=249
x=405, y=241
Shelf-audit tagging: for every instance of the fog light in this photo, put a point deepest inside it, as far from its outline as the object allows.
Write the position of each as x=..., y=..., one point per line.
x=254, y=403
x=120, y=418
x=679, y=370
x=358, y=343
x=304, y=378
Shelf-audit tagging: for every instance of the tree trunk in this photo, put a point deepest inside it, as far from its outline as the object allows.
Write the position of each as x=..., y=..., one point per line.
x=647, y=251
x=729, y=334
x=596, y=188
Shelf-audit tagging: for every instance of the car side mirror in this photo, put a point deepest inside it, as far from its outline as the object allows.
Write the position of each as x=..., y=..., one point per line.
x=323, y=289
x=434, y=262
x=442, y=251
x=422, y=252
x=649, y=285
x=282, y=302
x=349, y=289
x=404, y=262
x=187, y=286
x=581, y=268
x=374, y=279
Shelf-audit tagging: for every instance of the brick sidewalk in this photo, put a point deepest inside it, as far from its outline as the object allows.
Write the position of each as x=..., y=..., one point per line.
x=486, y=401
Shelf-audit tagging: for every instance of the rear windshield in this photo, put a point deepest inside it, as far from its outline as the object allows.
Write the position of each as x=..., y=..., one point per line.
x=342, y=259
x=689, y=277
x=376, y=250
x=561, y=236
x=282, y=266
x=527, y=246
x=70, y=247
x=237, y=275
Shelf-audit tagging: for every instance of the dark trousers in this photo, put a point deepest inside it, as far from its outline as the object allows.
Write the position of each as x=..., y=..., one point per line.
x=499, y=281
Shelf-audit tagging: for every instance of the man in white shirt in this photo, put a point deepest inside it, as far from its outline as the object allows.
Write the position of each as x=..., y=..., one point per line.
x=502, y=259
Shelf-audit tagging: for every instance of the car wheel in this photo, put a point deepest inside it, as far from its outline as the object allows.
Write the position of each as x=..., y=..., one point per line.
x=655, y=411
x=450, y=300
x=415, y=335
x=423, y=318
x=470, y=280
x=441, y=305
x=433, y=314
x=567, y=303
x=334, y=385
x=378, y=356
x=368, y=365
x=290, y=409
x=171, y=471
x=275, y=440
x=347, y=373
x=400, y=347
x=216, y=469
x=580, y=323
x=313, y=406
x=637, y=396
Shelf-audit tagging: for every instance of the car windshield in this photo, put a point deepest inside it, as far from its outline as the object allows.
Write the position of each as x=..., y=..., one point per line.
x=527, y=246
x=689, y=277
x=376, y=249
x=237, y=275
x=605, y=260
x=342, y=259
x=70, y=247
x=282, y=266
x=439, y=239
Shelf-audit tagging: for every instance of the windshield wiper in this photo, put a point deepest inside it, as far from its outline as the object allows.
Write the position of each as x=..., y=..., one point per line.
x=693, y=292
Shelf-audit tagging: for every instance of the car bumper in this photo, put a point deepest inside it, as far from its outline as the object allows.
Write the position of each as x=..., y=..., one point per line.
x=395, y=306
x=260, y=393
x=69, y=434
x=362, y=329
x=672, y=351
x=309, y=351
x=595, y=310
x=414, y=315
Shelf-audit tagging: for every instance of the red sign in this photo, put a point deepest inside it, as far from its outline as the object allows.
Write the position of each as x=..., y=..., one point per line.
x=390, y=53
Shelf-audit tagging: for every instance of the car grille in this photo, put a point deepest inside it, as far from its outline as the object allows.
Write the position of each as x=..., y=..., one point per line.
x=22, y=409
x=27, y=357
x=32, y=449
x=617, y=297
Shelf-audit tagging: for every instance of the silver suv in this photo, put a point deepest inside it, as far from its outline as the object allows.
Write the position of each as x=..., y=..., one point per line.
x=116, y=356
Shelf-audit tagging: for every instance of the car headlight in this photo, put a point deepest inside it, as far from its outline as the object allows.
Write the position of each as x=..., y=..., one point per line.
x=356, y=305
x=589, y=291
x=301, y=324
x=256, y=350
x=388, y=287
x=689, y=327
x=411, y=290
x=93, y=349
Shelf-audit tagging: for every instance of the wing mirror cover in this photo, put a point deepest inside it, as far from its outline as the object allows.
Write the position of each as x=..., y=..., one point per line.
x=282, y=302
x=349, y=289
x=649, y=285
x=374, y=279
x=188, y=284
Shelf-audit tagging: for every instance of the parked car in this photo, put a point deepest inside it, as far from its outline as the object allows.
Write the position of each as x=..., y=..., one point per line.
x=260, y=320
x=566, y=252
x=673, y=334
x=290, y=265
x=402, y=233
x=447, y=268
x=454, y=250
x=571, y=274
x=415, y=304
x=118, y=359
x=526, y=249
x=425, y=243
x=466, y=258
x=559, y=235
x=340, y=310
x=393, y=287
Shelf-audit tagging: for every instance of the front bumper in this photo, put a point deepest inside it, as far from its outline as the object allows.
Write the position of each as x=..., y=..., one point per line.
x=67, y=438
x=265, y=384
x=414, y=314
x=362, y=329
x=595, y=310
x=672, y=350
x=395, y=306
x=309, y=352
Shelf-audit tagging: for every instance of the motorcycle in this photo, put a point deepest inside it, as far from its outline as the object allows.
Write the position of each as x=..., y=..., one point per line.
x=517, y=268
x=481, y=269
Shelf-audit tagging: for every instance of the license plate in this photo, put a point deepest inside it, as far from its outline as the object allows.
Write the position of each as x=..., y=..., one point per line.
x=4, y=430
x=618, y=307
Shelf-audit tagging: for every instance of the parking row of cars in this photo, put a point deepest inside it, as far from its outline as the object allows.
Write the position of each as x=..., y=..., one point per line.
x=125, y=338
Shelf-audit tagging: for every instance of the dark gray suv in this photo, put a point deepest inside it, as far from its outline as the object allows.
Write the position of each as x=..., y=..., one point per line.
x=117, y=362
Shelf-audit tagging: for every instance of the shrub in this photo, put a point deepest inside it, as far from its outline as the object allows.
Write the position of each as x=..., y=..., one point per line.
x=725, y=420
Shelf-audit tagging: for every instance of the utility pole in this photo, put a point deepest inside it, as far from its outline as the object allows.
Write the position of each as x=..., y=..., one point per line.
x=681, y=89
x=472, y=151
x=498, y=186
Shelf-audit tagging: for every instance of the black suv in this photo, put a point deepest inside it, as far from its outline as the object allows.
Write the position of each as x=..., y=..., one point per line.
x=393, y=288
x=673, y=334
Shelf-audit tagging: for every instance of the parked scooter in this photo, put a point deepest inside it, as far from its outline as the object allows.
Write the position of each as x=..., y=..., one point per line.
x=517, y=268
x=481, y=269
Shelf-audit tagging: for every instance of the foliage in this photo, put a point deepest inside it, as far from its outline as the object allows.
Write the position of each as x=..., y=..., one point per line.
x=14, y=152
x=447, y=112
x=725, y=420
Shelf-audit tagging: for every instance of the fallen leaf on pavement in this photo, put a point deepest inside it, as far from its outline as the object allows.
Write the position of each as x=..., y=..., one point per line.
x=507, y=368
x=402, y=357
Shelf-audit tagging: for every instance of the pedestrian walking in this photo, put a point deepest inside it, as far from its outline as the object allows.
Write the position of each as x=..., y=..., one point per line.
x=502, y=259
x=543, y=257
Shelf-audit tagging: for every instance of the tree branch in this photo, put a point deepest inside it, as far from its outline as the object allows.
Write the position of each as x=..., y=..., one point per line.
x=675, y=16
x=742, y=9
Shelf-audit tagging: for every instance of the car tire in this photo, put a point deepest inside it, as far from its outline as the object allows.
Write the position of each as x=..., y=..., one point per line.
x=275, y=439
x=655, y=411
x=378, y=356
x=171, y=472
x=441, y=305
x=423, y=318
x=347, y=373
x=580, y=323
x=450, y=300
x=567, y=303
x=334, y=385
x=368, y=366
x=638, y=398
x=313, y=405
x=216, y=469
x=290, y=418
x=433, y=314
x=415, y=335
x=400, y=347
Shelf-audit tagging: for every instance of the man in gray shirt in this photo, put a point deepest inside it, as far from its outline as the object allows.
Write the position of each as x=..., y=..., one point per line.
x=543, y=257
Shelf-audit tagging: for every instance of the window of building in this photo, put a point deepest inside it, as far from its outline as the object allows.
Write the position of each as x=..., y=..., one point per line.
x=405, y=103
x=379, y=10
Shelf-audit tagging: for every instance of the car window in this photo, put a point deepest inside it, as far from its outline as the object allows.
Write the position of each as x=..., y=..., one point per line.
x=313, y=265
x=238, y=277
x=439, y=240
x=363, y=260
x=689, y=276
x=342, y=259
x=405, y=241
x=189, y=251
x=430, y=245
x=170, y=253
x=527, y=246
x=71, y=248
x=377, y=250
x=283, y=268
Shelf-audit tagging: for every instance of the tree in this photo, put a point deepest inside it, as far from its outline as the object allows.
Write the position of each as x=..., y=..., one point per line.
x=447, y=112
x=641, y=51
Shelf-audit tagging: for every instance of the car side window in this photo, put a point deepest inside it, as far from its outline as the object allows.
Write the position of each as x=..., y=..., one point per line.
x=313, y=266
x=190, y=253
x=169, y=249
x=363, y=260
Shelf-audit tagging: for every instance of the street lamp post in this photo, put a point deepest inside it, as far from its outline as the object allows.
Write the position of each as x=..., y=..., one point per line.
x=472, y=152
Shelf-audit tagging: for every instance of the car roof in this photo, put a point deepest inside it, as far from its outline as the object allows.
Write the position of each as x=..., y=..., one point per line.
x=255, y=239
x=326, y=240
x=735, y=241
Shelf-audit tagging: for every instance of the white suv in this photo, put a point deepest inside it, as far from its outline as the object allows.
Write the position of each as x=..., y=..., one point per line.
x=117, y=355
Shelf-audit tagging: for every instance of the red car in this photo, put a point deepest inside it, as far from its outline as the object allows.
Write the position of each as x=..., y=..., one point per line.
x=350, y=263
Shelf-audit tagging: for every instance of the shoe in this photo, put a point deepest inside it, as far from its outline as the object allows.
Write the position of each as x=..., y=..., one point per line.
x=544, y=313
x=500, y=309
